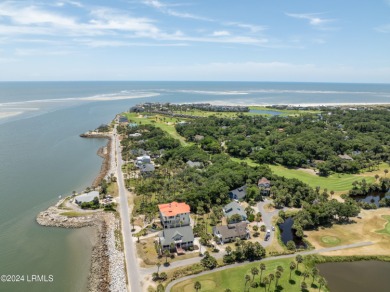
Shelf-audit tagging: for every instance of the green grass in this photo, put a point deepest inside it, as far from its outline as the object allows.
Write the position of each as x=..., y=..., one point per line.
x=334, y=182
x=160, y=123
x=234, y=279
x=330, y=240
x=76, y=214
x=284, y=112
x=386, y=230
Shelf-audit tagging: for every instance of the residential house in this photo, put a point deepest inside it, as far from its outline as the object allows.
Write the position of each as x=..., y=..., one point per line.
x=174, y=214
x=123, y=119
x=195, y=164
x=198, y=138
x=264, y=185
x=234, y=208
x=345, y=157
x=176, y=239
x=132, y=125
x=146, y=168
x=143, y=160
x=238, y=194
x=228, y=233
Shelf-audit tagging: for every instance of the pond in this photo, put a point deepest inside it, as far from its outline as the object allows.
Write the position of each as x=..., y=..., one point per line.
x=360, y=276
x=372, y=198
x=287, y=233
x=265, y=112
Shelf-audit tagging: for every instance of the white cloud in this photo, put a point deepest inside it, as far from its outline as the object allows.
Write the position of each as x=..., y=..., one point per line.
x=383, y=28
x=221, y=33
x=251, y=27
x=314, y=19
x=164, y=8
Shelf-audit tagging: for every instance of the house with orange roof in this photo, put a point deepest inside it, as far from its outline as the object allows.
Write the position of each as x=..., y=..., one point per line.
x=174, y=214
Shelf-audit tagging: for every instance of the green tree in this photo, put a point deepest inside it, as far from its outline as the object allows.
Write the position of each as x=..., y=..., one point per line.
x=262, y=268
x=166, y=254
x=271, y=278
x=277, y=276
x=228, y=250
x=254, y=272
x=265, y=282
x=291, y=245
x=314, y=273
x=247, y=279
x=303, y=286
x=321, y=282
x=208, y=261
x=197, y=286
x=299, y=260
x=160, y=288
x=292, y=268
x=305, y=274
x=158, y=267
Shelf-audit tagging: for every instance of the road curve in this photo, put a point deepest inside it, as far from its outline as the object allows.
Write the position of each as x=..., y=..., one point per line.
x=359, y=244
x=134, y=281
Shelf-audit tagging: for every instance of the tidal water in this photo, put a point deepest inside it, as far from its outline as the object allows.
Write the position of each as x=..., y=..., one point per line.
x=42, y=156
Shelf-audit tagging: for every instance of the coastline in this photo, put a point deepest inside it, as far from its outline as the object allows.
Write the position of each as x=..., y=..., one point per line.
x=107, y=267
x=332, y=104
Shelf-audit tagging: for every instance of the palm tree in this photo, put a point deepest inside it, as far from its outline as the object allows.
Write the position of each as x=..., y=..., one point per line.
x=277, y=276
x=271, y=278
x=305, y=274
x=303, y=286
x=166, y=254
x=254, y=272
x=299, y=260
x=197, y=286
x=228, y=250
x=292, y=267
x=280, y=269
x=265, y=282
x=314, y=273
x=262, y=268
x=247, y=279
x=158, y=267
x=386, y=171
x=321, y=282
x=228, y=290
x=331, y=194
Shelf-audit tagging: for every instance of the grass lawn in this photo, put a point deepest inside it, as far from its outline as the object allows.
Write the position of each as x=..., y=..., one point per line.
x=283, y=112
x=76, y=214
x=234, y=279
x=334, y=182
x=167, y=125
x=386, y=230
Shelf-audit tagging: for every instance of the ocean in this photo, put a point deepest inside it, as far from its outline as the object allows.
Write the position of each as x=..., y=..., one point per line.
x=42, y=156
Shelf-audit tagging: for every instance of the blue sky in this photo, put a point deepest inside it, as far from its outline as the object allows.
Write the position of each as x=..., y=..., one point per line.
x=253, y=40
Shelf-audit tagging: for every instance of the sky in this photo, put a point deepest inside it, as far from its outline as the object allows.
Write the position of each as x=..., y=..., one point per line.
x=201, y=40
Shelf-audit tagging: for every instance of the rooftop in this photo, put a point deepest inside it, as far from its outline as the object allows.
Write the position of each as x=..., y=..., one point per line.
x=174, y=208
x=87, y=197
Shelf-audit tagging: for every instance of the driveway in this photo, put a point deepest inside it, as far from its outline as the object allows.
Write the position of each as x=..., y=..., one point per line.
x=267, y=217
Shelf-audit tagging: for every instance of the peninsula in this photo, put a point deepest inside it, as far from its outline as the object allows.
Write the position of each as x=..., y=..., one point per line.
x=193, y=188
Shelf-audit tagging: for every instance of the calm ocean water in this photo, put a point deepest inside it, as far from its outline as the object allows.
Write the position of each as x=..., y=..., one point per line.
x=42, y=156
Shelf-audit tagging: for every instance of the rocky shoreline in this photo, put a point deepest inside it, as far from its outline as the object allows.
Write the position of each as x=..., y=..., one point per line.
x=107, y=269
x=104, y=152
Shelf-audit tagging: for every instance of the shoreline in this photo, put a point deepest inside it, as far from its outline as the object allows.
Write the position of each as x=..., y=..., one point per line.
x=107, y=266
x=331, y=104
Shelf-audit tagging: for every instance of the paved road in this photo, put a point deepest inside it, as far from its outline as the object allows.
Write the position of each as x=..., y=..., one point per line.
x=170, y=285
x=267, y=219
x=133, y=275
